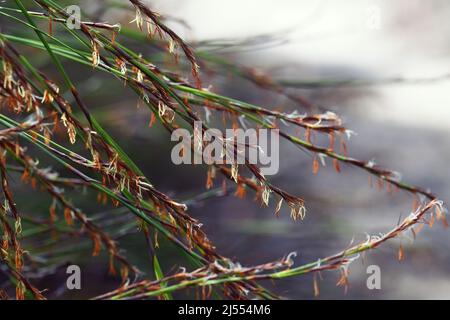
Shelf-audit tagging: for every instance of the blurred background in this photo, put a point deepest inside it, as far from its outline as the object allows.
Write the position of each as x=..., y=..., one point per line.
x=383, y=66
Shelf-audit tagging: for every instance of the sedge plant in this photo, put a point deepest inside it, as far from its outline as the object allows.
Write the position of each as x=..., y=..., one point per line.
x=39, y=105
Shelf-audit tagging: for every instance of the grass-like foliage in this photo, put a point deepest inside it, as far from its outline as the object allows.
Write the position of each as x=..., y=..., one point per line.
x=46, y=122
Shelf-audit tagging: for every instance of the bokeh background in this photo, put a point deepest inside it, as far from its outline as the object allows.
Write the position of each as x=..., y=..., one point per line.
x=387, y=67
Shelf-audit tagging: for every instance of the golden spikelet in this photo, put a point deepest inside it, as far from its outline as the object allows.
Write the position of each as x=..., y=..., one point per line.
x=18, y=259
x=8, y=75
x=298, y=211
x=240, y=191
x=52, y=210
x=401, y=253
x=20, y=291
x=278, y=207
x=97, y=245
x=124, y=271
x=138, y=19
x=265, y=196
x=95, y=54
x=234, y=172
x=316, y=287
x=316, y=165
x=47, y=97
x=112, y=268
x=71, y=132
x=68, y=216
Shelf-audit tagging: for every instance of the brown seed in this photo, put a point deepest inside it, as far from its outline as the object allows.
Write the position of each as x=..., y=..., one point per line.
x=316, y=165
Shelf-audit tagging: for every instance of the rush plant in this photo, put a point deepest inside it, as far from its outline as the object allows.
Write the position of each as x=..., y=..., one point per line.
x=40, y=105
